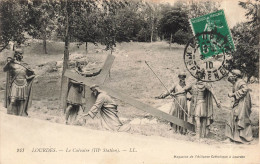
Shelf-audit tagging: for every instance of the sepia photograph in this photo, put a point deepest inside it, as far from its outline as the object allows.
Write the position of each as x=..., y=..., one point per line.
x=129, y=81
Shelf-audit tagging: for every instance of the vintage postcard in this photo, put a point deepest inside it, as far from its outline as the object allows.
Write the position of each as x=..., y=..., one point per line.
x=129, y=81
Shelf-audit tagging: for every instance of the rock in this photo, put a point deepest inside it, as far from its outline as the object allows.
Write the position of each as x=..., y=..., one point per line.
x=52, y=69
x=75, y=56
x=59, y=64
x=136, y=121
x=98, y=51
x=46, y=67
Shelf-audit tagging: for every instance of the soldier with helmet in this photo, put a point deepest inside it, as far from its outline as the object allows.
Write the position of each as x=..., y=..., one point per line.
x=201, y=108
x=18, y=85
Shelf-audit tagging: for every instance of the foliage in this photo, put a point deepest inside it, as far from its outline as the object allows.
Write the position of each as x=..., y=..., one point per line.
x=108, y=15
x=246, y=38
x=12, y=21
x=191, y=10
x=101, y=21
x=173, y=19
x=122, y=22
x=84, y=22
x=150, y=14
x=182, y=37
x=128, y=22
x=41, y=20
x=199, y=8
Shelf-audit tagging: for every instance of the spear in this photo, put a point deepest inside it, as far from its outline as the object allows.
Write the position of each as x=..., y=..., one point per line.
x=166, y=88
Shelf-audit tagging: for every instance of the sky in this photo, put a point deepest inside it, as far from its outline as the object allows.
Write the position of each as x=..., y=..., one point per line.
x=233, y=12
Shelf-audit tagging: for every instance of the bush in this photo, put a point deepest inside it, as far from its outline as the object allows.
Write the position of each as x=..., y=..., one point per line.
x=143, y=35
x=182, y=37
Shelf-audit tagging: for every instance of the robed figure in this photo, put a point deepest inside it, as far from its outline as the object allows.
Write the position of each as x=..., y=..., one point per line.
x=179, y=106
x=18, y=85
x=238, y=127
x=107, y=108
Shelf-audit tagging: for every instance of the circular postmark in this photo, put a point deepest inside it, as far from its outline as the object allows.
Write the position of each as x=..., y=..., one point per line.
x=207, y=52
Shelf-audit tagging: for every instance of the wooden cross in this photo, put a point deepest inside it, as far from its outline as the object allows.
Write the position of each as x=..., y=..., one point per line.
x=121, y=96
x=99, y=79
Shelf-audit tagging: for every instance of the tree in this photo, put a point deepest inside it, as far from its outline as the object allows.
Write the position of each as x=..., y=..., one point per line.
x=149, y=20
x=199, y=8
x=246, y=38
x=193, y=9
x=64, y=15
x=110, y=10
x=84, y=25
x=129, y=21
x=173, y=20
x=41, y=20
x=12, y=22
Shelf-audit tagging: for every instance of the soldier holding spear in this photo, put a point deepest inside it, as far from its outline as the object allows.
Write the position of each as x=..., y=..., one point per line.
x=179, y=107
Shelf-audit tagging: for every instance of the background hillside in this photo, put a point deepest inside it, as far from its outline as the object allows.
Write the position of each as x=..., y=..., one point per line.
x=129, y=74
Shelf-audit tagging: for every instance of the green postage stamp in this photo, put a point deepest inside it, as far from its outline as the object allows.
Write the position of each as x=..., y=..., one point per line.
x=212, y=30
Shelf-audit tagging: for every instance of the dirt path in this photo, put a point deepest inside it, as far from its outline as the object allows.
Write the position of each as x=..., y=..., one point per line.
x=32, y=134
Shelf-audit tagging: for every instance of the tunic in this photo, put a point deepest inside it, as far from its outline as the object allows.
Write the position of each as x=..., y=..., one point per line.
x=19, y=82
x=238, y=127
x=18, y=86
x=76, y=90
x=176, y=108
x=108, y=111
x=201, y=103
x=75, y=93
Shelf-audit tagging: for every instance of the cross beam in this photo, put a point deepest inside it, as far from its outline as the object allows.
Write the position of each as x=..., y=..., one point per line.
x=131, y=101
x=99, y=79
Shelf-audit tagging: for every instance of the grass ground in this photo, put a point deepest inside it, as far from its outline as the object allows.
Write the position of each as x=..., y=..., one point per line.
x=129, y=74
